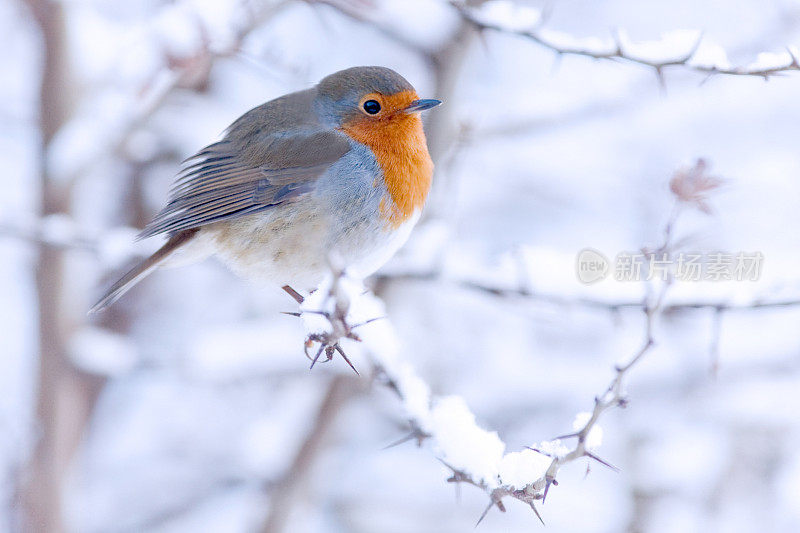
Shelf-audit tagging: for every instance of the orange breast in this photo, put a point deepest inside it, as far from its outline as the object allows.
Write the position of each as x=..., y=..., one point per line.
x=398, y=143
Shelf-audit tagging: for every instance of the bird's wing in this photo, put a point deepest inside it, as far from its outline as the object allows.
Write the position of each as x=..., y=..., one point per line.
x=269, y=156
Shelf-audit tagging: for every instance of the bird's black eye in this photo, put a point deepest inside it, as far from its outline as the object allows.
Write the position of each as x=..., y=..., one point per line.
x=372, y=107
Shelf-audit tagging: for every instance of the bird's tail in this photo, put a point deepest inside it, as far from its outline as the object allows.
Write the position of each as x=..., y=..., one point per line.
x=140, y=271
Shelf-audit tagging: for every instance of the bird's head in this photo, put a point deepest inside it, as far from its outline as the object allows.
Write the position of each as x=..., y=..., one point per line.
x=369, y=98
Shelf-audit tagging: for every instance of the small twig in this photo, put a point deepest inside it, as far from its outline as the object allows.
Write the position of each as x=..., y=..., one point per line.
x=296, y=296
x=590, y=303
x=716, y=332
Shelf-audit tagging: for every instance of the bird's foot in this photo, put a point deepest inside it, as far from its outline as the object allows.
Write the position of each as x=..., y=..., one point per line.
x=332, y=302
x=329, y=344
x=329, y=340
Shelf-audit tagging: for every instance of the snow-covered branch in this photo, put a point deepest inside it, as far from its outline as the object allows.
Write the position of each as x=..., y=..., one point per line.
x=687, y=49
x=445, y=425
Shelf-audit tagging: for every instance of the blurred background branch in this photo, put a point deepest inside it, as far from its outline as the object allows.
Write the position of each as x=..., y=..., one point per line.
x=286, y=492
x=63, y=398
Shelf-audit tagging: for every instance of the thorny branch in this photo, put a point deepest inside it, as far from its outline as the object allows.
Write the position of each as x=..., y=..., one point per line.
x=536, y=490
x=613, y=396
x=619, y=53
x=690, y=188
x=334, y=309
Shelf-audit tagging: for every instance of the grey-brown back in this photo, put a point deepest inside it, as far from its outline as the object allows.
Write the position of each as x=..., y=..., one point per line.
x=268, y=156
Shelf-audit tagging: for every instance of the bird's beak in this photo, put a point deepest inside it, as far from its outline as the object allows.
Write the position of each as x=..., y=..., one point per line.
x=421, y=105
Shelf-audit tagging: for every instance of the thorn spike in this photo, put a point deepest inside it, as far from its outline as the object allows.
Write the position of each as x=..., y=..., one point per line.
x=535, y=510
x=601, y=461
x=316, y=357
x=400, y=441
x=485, y=512
x=547, y=482
x=344, y=356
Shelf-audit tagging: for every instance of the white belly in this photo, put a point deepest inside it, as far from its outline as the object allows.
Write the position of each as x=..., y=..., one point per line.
x=293, y=245
x=373, y=255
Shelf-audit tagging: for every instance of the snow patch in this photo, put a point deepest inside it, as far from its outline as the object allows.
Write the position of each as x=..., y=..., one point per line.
x=671, y=46
x=462, y=443
x=508, y=14
x=519, y=469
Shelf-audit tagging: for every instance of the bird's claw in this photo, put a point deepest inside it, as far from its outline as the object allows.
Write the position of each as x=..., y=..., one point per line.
x=329, y=341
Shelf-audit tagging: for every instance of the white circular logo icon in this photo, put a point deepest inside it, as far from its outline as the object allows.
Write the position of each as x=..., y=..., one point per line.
x=591, y=266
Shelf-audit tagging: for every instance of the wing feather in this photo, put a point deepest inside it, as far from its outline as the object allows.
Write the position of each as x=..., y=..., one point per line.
x=256, y=166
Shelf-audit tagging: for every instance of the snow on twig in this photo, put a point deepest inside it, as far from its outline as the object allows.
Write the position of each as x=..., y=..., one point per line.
x=682, y=48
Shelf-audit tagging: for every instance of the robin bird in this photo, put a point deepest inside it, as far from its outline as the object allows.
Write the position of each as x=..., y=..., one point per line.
x=342, y=168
